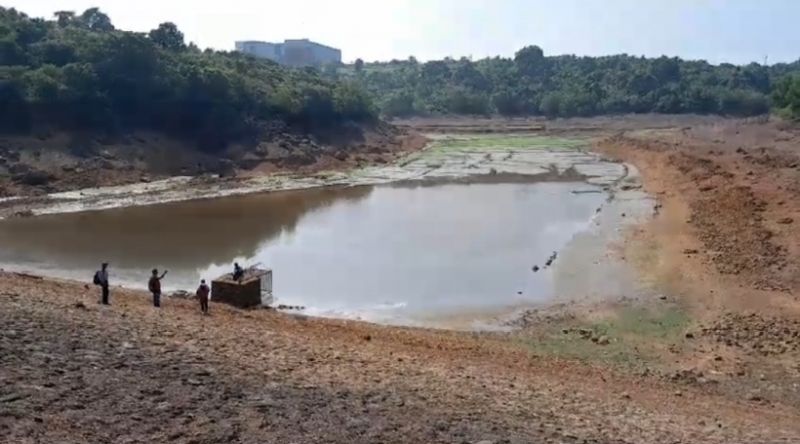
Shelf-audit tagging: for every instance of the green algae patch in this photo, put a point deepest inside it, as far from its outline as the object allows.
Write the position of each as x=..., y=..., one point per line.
x=504, y=142
x=631, y=336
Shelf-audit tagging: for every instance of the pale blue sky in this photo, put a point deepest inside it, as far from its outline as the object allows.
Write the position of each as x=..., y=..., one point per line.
x=737, y=31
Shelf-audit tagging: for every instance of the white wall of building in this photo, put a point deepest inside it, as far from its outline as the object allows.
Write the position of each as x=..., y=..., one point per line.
x=301, y=52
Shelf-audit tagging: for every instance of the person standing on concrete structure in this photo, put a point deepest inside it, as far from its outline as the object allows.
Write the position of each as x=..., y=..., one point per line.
x=101, y=279
x=238, y=271
x=154, y=285
x=202, y=294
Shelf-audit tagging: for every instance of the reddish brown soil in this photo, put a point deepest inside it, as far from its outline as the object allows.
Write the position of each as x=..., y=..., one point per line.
x=75, y=371
x=740, y=182
x=726, y=245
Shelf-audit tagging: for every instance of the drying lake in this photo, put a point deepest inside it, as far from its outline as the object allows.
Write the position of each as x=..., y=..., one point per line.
x=382, y=253
x=455, y=229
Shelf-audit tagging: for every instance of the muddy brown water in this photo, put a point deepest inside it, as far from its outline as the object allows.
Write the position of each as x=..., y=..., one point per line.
x=384, y=253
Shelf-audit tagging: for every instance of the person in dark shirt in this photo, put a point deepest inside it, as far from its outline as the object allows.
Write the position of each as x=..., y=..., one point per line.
x=238, y=272
x=154, y=285
x=101, y=279
x=202, y=294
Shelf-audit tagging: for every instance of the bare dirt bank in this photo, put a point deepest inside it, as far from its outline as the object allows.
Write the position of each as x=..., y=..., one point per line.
x=49, y=163
x=74, y=371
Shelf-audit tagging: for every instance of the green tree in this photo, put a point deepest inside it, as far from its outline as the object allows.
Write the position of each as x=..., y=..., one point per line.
x=463, y=101
x=551, y=105
x=400, y=104
x=468, y=76
x=168, y=36
x=530, y=61
x=351, y=102
x=96, y=20
x=81, y=73
x=786, y=96
x=11, y=53
x=53, y=52
x=64, y=18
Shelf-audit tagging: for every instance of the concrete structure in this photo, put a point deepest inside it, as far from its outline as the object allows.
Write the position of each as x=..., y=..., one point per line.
x=302, y=52
x=264, y=50
x=252, y=290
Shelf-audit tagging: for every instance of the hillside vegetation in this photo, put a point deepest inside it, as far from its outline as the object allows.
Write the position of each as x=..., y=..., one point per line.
x=563, y=86
x=78, y=72
x=786, y=96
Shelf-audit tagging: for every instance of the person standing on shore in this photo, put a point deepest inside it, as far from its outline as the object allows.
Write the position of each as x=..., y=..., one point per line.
x=202, y=294
x=154, y=285
x=101, y=279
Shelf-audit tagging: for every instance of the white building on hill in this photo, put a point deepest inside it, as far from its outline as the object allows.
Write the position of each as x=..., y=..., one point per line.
x=302, y=52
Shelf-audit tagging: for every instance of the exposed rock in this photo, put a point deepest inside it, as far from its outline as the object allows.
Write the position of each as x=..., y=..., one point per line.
x=226, y=168
x=10, y=398
x=182, y=294
x=24, y=213
x=756, y=334
x=32, y=178
x=18, y=168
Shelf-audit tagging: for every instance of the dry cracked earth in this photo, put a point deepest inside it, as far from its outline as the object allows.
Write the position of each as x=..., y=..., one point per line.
x=75, y=371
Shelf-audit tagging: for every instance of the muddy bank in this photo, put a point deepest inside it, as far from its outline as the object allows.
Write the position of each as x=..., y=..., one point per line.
x=57, y=162
x=446, y=158
x=715, y=267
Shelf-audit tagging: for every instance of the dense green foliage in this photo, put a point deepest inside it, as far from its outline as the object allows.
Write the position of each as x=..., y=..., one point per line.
x=786, y=96
x=533, y=84
x=79, y=72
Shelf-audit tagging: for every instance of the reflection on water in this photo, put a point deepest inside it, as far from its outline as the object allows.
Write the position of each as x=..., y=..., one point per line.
x=383, y=252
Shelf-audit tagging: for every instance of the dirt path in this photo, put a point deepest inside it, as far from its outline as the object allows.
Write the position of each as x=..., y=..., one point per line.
x=73, y=371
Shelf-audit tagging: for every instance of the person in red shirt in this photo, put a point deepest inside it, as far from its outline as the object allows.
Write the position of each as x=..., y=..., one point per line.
x=202, y=294
x=154, y=285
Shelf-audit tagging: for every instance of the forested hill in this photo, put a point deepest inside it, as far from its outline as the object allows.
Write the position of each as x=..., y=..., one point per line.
x=78, y=72
x=533, y=84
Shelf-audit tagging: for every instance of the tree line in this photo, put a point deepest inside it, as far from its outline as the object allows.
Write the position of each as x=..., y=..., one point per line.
x=78, y=72
x=531, y=83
